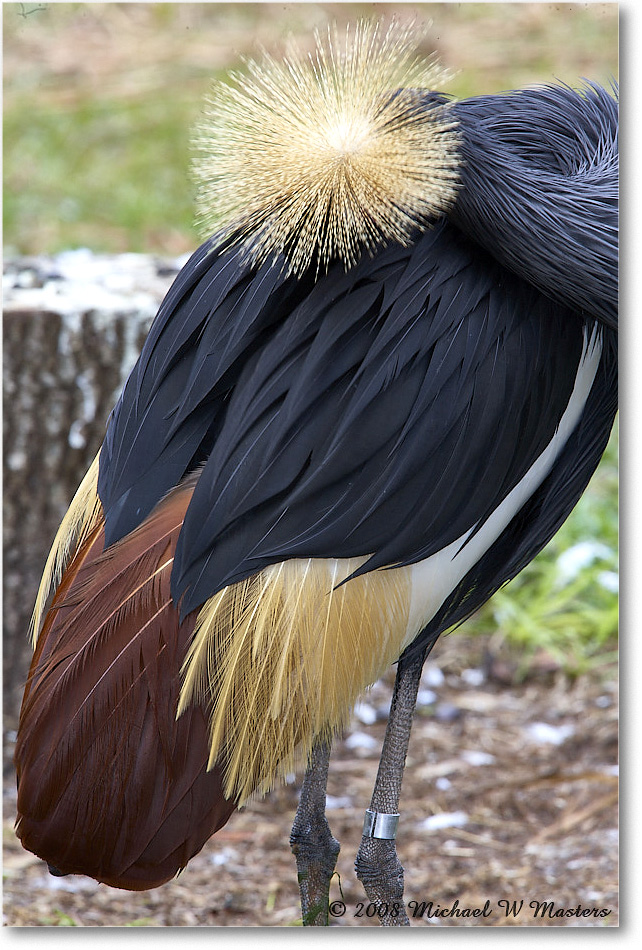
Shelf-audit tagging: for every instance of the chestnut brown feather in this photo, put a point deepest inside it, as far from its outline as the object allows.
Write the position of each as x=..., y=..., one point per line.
x=110, y=783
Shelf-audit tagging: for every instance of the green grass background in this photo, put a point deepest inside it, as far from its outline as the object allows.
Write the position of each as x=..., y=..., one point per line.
x=99, y=101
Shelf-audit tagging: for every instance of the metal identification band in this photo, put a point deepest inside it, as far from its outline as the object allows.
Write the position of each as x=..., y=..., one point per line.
x=377, y=824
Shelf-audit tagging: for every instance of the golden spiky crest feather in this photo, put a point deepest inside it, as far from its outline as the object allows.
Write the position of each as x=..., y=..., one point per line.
x=322, y=156
x=281, y=658
x=82, y=516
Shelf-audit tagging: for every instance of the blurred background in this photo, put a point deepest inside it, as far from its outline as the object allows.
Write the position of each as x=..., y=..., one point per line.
x=99, y=102
x=99, y=99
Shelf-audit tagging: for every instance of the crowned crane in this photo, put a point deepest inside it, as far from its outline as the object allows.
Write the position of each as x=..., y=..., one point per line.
x=365, y=404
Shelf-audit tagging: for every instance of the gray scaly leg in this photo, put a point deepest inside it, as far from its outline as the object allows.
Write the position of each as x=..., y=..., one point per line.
x=377, y=865
x=311, y=841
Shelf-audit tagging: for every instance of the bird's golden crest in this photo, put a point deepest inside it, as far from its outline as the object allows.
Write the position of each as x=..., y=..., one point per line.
x=322, y=156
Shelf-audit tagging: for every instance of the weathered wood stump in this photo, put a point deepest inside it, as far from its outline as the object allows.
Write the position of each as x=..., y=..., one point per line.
x=73, y=327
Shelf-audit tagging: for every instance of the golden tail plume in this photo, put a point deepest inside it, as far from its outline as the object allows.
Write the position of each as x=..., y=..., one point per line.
x=82, y=516
x=281, y=658
x=321, y=156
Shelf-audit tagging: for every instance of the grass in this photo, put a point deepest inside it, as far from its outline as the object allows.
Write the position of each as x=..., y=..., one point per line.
x=72, y=202
x=99, y=100
x=565, y=603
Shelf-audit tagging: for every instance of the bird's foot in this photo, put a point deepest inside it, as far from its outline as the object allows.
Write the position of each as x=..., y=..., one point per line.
x=381, y=873
x=316, y=851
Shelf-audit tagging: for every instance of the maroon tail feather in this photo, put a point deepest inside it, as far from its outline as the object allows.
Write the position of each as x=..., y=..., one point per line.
x=110, y=784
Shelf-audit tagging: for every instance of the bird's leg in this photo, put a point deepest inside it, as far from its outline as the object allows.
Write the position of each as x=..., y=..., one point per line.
x=377, y=865
x=311, y=841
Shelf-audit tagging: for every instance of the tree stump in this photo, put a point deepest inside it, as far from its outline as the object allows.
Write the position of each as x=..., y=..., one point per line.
x=73, y=328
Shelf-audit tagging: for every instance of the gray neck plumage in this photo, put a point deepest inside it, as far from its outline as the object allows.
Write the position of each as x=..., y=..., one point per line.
x=539, y=190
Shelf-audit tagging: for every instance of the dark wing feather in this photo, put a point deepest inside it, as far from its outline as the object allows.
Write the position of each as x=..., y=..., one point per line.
x=169, y=414
x=110, y=784
x=359, y=430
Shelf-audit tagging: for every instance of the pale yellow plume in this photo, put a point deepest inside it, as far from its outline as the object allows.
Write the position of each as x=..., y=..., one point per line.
x=281, y=658
x=84, y=512
x=322, y=156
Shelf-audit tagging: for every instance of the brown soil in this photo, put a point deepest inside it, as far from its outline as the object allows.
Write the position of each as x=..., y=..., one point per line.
x=541, y=818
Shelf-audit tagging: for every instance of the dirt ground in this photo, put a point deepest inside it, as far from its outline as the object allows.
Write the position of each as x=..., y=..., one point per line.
x=518, y=781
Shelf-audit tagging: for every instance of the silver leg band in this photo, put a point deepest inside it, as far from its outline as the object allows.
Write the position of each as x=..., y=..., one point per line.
x=377, y=824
